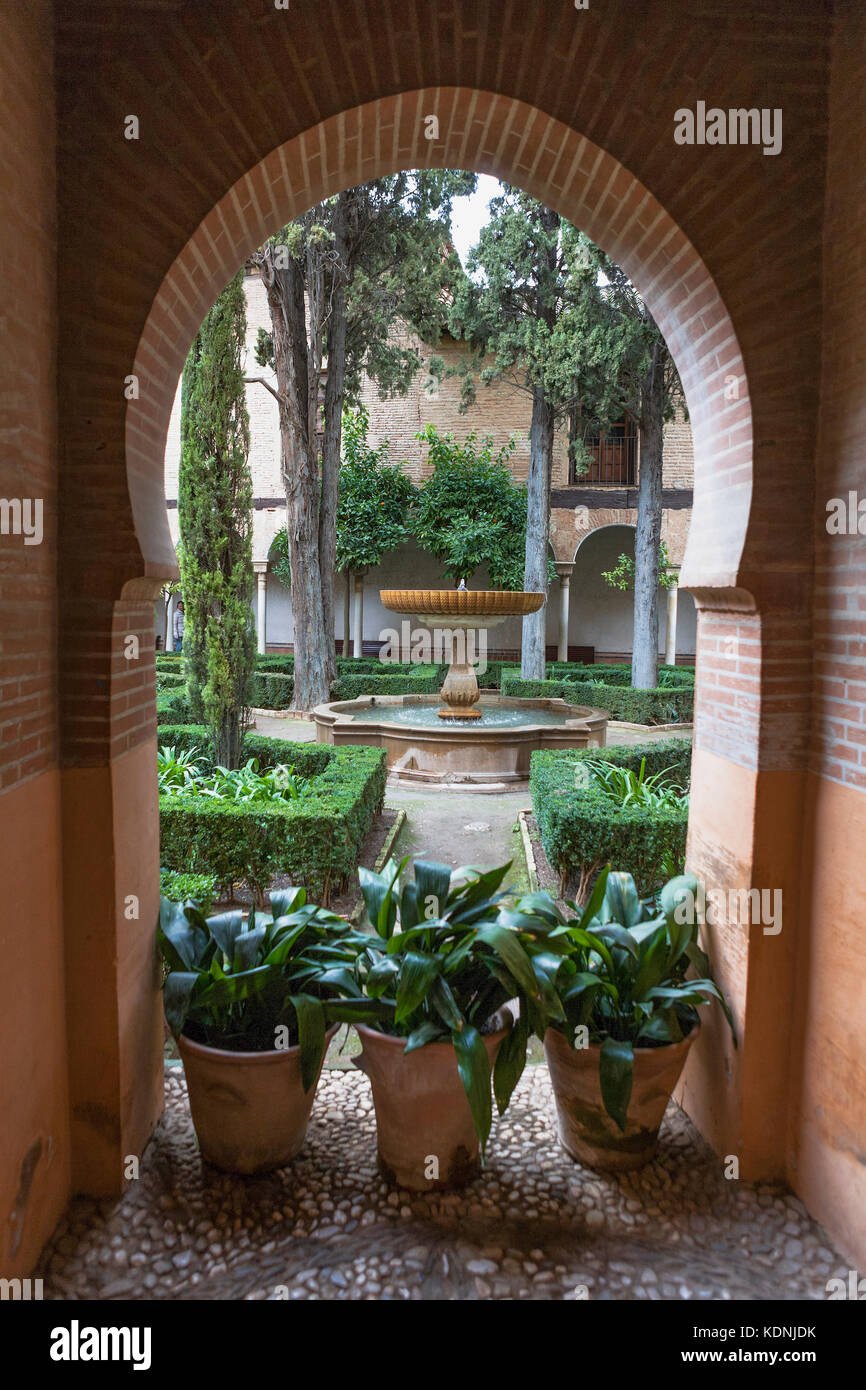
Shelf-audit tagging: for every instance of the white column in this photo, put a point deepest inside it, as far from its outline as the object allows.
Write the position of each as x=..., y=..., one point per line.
x=358, y=644
x=347, y=613
x=671, y=634
x=564, y=572
x=261, y=569
x=169, y=618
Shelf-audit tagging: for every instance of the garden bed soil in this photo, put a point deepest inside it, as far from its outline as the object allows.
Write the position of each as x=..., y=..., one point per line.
x=548, y=878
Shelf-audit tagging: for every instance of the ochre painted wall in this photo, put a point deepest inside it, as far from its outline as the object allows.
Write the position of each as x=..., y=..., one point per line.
x=34, y=1134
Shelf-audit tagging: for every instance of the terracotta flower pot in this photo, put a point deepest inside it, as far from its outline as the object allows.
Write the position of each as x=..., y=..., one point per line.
x=586, y=1131
x=249, y=1109
x=421, y=1109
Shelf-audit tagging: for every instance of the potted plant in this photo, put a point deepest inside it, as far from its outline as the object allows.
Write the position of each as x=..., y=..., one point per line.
x=447, y=960
x=253, y=1004
x=629, y=1015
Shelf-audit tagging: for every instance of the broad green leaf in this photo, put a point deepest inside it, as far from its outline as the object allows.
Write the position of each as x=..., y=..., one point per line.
x=509, y=1064
x=188, y=941
x=473, y=1065
x=432, y=884
x=311, y=1035
x=417, y=973
x=445, y=1004
x=426, y=1032
x=621, y=901
x=507, y=946
x=616, y=1074
x=247, y=948
x=176, y=996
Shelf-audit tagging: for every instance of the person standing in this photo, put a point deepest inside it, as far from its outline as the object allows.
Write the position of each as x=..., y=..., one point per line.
x=177, y=627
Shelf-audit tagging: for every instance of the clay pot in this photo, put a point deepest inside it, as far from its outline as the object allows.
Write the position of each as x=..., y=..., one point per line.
x=249, y=1109
x=421, y=1109
x=586, y=1131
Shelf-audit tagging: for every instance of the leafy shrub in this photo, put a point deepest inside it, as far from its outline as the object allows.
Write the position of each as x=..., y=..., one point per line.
x=180, y=773
x=172, y=707
x=582, y=828
x=272, y=689
x=621, y=702
x=455, y=960
x=316, y=839
x=239, y=985
x=626, y=787
x=168, y=680
x=421, y=680
x=621, y=974
x=182, y=888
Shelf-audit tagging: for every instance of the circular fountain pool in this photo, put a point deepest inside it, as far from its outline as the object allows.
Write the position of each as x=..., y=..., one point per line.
x=492, y=751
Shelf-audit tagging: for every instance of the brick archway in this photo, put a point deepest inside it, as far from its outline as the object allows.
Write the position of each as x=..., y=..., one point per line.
x=500, y=135
x=124, y=254
x=492, y=134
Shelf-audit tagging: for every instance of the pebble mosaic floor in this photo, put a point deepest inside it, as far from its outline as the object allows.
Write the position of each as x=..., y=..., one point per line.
x=534, y=1226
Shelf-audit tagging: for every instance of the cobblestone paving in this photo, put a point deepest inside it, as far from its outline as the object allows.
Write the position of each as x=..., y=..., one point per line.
x=534, y=1226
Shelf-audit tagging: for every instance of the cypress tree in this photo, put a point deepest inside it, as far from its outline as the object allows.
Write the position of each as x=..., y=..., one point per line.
x=215, y=496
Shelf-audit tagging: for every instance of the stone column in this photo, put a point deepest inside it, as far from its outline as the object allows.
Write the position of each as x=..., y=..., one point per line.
x=358, y=643
x=261, y=569
x=564, y=571
x=671, y=634
x=169, y=622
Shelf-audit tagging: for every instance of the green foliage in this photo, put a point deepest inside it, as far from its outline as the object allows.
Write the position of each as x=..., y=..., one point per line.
x=626, y=787
x=622, y=575
x=625, y=703
x=621, y=974
x=316, y=839
x=267, y=983
x=182, y=888
x=169, y=680
x=272, y=689
x=582, y=828
x=449, y=956
x=374, y=500
x=470, y=512
x=420, y=680
x=180, y=773
x=215, y=496
x=173, y=708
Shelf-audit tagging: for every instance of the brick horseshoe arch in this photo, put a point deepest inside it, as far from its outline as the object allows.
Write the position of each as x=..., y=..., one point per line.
x=492, y=134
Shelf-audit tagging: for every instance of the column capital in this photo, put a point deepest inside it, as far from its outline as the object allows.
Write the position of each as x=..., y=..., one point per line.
x=260, y=566
x=564, y=570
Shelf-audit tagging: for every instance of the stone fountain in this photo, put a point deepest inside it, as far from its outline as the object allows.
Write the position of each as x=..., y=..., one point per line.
x=485, y=740
x=456, y=610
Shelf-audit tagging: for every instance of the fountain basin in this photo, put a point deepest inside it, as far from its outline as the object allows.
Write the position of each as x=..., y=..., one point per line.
x=424, y=748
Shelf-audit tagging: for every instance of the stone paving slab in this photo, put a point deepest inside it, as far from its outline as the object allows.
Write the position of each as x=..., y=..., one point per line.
x=534, y=1226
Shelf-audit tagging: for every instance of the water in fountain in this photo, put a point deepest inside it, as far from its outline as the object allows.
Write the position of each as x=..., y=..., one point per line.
x=427, y=716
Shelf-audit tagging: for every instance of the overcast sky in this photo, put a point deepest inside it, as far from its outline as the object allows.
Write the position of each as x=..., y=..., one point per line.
x=469, y=214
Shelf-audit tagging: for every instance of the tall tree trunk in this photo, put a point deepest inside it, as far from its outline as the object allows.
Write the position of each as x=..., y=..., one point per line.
x=648, y=534
x=285, y=291
x=532, y=664
x=334, y=394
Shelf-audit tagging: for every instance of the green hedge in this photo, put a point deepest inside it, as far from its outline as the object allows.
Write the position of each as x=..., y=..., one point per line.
x=582, y=831
x=622, y=702
x=420, y=680
x=316, y=840
x=169, y=680
x=178, y=887
x=172, y=707
x=272, y=690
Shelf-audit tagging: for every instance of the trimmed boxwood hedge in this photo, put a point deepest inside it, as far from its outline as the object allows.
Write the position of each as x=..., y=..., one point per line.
x=622, y=702
x=420, y=680
x=582, y=831
x=317, y=840
x=272, y=690
x=172, y=707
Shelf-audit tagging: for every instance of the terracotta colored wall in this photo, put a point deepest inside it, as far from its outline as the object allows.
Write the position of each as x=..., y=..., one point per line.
x=828, y=1134
x=34, y=1141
